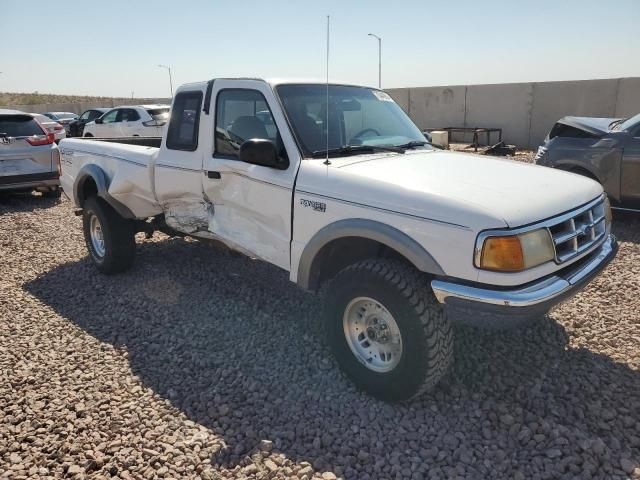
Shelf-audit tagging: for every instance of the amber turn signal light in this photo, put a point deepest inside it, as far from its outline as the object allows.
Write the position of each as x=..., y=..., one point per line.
x=503, y=254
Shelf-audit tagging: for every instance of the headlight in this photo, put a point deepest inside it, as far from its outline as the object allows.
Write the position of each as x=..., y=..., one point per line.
x=514, y=253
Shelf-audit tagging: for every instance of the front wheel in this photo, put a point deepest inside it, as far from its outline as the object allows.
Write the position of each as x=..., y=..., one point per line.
x=110, y=238
x=386, y=330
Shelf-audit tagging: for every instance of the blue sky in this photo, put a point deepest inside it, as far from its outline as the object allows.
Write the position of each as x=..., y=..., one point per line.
x=76, y=47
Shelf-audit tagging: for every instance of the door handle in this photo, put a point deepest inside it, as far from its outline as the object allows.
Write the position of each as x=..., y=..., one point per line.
x=213, y=174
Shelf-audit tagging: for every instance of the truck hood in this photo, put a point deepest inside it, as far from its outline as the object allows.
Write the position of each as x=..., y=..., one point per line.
x=515, y=192
x=594, y=125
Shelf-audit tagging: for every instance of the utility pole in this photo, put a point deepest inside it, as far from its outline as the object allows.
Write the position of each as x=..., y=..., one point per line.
x=170, y=79
x=379, y=58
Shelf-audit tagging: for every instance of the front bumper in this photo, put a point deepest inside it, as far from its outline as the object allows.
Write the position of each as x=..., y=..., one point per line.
x=509, y=307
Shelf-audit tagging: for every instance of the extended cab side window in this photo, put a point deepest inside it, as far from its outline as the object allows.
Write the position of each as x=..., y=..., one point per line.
x=242, y=115
x=185, y=118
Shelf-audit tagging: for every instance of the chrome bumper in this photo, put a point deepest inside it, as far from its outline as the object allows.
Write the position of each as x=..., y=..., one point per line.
x=531, y=300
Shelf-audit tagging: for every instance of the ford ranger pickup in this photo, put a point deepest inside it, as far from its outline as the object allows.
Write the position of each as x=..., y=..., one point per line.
x=337, y=186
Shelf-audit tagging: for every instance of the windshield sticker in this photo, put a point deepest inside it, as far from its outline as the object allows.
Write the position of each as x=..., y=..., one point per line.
x=382, y=96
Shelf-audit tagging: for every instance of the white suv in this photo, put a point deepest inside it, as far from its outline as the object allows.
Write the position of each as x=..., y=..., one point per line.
x=130, y=121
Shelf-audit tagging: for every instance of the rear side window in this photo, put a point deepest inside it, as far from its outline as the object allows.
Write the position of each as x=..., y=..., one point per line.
x=128, y=115
x=19, y=126
x=185, y=118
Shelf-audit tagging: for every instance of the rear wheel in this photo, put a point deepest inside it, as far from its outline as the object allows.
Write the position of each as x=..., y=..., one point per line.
x=110, y=238
x=87, y=135
x=386, y=330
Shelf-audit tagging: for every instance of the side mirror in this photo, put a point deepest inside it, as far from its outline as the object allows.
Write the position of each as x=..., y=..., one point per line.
x=260, y=151
x=98, y=121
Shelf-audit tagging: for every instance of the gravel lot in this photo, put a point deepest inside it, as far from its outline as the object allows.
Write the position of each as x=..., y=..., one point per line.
x=199, y=363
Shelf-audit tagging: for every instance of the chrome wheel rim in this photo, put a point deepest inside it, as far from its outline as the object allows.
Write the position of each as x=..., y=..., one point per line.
x=97, y=237
x=372, y=334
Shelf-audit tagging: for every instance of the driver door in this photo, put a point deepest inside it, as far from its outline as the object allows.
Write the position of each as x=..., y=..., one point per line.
x=109, y=126
x=251, y=203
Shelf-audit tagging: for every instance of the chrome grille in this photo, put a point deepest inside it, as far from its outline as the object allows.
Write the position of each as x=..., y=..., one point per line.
x=578, y=231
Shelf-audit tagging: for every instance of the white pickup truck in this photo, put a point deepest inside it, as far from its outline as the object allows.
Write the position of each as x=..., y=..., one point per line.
x=337, y=186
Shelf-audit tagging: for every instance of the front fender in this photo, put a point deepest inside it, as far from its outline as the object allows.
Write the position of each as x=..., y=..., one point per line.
x=369, y=229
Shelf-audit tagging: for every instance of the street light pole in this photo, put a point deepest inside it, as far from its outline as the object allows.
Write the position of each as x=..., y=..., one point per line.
x=170, y=79
x=379, y=58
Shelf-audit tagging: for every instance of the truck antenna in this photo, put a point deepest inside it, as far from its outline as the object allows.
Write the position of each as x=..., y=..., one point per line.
x=326, y=161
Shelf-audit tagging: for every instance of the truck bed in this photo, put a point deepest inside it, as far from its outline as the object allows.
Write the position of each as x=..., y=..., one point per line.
x=127, y=163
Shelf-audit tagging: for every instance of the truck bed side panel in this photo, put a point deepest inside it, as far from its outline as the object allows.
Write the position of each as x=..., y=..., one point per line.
x=127, y=168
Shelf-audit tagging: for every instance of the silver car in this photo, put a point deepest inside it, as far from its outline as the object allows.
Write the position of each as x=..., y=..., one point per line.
x=29, y=157
x=604, y=149
x=63, y=118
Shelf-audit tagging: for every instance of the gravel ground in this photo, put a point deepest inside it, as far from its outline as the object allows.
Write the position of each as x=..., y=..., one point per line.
x=200, y=363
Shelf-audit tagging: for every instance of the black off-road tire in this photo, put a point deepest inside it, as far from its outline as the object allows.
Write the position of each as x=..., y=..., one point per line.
x=427, y=336
x=118, y=234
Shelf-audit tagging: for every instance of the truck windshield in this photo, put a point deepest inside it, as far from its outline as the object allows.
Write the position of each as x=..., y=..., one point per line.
x=357, y=116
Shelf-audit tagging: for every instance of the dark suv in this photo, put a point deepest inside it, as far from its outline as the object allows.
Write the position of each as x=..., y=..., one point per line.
x=76, y=127
x=29, y=157
x=604, y=149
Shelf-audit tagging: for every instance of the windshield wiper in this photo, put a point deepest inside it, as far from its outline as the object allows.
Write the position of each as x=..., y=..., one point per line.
x=414, y=144
x=615, y=123
x=355, y=149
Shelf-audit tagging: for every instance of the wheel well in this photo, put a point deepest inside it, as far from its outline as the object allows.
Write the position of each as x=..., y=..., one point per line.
x=342, y=252
x=582, y=171
x=86, y=189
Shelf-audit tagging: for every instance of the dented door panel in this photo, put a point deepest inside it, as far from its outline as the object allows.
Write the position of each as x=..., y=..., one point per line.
x=251, y=203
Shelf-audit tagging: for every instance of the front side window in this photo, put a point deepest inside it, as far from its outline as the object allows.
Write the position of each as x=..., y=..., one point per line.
x=243, y=115
x=110, y=117
x=86, y=115
x=93, y=114
x=357, y=116
x=185, y=118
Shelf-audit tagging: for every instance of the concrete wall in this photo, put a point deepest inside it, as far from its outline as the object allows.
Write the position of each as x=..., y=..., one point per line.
x=628, y=99
x=525, y=111
x=80, y=107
